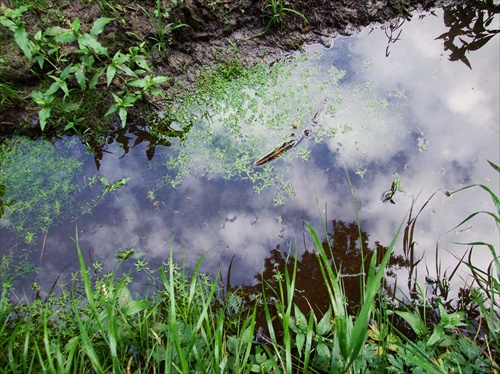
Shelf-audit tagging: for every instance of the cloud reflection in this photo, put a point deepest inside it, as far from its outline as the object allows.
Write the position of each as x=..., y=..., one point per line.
x=445, y=108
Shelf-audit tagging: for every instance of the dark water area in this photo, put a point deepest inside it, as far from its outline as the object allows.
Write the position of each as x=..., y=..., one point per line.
x=400, y=111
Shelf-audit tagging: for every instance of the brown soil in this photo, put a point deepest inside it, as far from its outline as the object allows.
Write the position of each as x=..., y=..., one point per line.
x=218, y=31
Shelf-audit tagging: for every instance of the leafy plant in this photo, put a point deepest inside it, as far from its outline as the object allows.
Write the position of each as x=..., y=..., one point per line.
x=84, y=65
x=276, y=10
x=162, y=30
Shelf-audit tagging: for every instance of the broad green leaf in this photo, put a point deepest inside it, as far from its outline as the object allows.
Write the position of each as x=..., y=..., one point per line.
x=22, y=40
x=54, y=31
x=142, y=63
x=130, y=100
x=110, y=74
x=95, y=79
x=43, y=115
x=122, y=112
x=103, y=180
x=135, y=307
x=450, y=320
x=139, y=83
x=414, y=321
x=80, y=77
x=88, y=61
x=437, y=336
x=99, y=25
x=119, y=58
x=323, y=351
x=5, y=22
x=89, y=42
x=113, y=108
x=160, y=79
x=38, y=97
x=75, y=26
x=40, y=60
x=325, y=325
x=125, y=69
x=54, y=87
x=300, y=319
x=123, y=295
x=65, y=37
x=156, y=91
x=299, y=341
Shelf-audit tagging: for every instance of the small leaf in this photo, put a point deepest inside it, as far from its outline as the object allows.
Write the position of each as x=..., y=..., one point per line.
x=75, y=26
x=299, y=341
x=142, y=63
x=156, y=91
x=110, y=73
x=43, y=115
x=124, y=253
x=65, y=37
x=300, y=319
x=122, y=112
x=113, y=108
x=139, y=83
x=87, y=41
x=99, y=25
x=103, y=180
x=160, y=79
x=22, y=40
x=135, y=307
x=325, y=325
x=436, y=337
x=414, y=321
x=80, y=77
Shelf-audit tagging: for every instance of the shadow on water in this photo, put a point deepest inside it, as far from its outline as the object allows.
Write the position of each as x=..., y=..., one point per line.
x=136, y=133
x=471, y=26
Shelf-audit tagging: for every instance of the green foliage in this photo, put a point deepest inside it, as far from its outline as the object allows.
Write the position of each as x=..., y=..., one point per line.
x=162, y=31
x=77, y=60
x=276, y=10
x=38, y=185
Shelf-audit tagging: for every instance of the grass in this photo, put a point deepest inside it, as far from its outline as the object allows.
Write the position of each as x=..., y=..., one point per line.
x=190, y=322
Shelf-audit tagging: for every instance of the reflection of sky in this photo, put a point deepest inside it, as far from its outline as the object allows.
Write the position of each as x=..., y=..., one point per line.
x=449, y=107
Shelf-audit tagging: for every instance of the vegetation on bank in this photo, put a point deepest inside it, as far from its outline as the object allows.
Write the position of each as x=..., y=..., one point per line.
x=193, y=323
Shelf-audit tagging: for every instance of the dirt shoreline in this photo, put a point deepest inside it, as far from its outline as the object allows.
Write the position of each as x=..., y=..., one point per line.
x=217, y=32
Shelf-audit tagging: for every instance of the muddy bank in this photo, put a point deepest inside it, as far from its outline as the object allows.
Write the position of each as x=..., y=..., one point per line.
x=190, y=35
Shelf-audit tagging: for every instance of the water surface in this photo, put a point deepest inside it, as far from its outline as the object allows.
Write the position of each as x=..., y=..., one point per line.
x=432, y=122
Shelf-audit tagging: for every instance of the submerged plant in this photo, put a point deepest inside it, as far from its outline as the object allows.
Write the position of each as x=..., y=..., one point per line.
x=39, y=185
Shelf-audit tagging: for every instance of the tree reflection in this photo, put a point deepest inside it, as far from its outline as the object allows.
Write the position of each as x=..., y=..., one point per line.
x=470, y=26
x=349, y=261
x=131, y=136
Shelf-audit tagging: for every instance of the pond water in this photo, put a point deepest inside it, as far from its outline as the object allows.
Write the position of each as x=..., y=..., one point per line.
x=371, y=107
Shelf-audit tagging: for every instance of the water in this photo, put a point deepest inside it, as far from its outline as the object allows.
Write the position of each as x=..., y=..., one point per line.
x=413, y=113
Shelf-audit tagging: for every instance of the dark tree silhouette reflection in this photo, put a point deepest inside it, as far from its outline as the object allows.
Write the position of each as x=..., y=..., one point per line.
x=471, y=25
x=343, y=243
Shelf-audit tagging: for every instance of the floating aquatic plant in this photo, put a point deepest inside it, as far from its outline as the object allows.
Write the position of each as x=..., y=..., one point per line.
x=253, y=126
x=39, y=185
